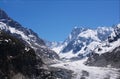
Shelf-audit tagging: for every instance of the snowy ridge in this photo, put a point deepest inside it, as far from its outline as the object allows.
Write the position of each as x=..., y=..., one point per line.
x=107, y=45
x=79, y=46
x=97, y=45
x=3, y=26
x=27, y=36
x=53, y=44
x=31, y=39
x=89, y=34
x=82, y=40
x=12, y=30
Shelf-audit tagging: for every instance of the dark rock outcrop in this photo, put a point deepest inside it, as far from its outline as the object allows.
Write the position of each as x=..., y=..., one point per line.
x=19, y=61
x=111, y=59
x=25, y=59
x=115, y=35
x=16, y=58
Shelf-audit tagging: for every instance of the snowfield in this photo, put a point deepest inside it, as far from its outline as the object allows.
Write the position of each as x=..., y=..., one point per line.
x=81, y=71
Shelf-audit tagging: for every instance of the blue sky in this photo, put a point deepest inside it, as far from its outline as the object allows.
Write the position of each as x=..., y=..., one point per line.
x=54, y=19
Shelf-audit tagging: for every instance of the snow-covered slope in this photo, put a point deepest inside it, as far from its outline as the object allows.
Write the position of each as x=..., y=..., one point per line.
x=81, y=71
x=81, y=41
x=104, y=59
x=108, y=52
x=111, y=43
x=53, y=44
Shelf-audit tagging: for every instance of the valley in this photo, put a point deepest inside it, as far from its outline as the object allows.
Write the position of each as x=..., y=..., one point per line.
x=81, y=71
x=85, y=54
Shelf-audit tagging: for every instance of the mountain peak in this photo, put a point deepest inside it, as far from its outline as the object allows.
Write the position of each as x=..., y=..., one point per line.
x=118, y=25
x=27, y=36
x=74, y=33
x=75, y=27
x=82, y=40
x=80, y=28
x=3, y=15
x=104, y=28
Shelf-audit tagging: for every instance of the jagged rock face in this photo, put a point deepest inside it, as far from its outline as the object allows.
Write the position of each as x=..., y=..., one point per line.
x=52, y=44
x=103, y=32
x=82, y=41
x=77, y=44
x=74, y=34
x=112, y=56
x=10, y=22
x=27, y=36
x=106, y=59
x=81, y=37
x=115, y=35
x=23, y=55
x=73, y=41
x=18, y=61
x=15, y=57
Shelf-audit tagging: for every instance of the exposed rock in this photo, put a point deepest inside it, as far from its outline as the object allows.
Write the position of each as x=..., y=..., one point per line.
x=28, y=37
x=15, y=59
x=18, y=61
x=85, y=73
x=61, y=73
x=106, y=59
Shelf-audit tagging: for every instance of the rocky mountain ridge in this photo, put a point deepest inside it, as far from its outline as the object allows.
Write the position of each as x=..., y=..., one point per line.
x=85, y=54
x=108, y=53
x=27, y=36
x=81, y=41
x=23, y=55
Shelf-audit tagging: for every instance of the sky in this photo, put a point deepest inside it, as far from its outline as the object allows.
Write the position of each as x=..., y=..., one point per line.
x=53, y=20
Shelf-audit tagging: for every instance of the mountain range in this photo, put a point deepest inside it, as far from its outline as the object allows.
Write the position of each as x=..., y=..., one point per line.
x=27, y=36
x=81, y=41
x=24, y=55
x=85, y=54
x=91, y=53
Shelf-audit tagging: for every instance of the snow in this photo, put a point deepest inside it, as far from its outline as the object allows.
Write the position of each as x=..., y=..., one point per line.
x=3, y=26
x=118, y=25
x=22, y=34
x=6, y=40
x=93, y=72
x=67, y=55
x=70, y=36
x=102, y=29
x=31, y=36
x=93, y=36
x=70, y=54
x=75, y=27
x=112, y=35
x=27, y=49
x=106, y=47
x=89, y=34
x=13, y=30
x=57, y=49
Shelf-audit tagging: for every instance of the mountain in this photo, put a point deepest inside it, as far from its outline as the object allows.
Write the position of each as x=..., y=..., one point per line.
x=108, y=53
x=28, y=37
x=23, y=55
x=16, y=58
x=19, y=61
x=81, y=41
x=52, y=44
x=103, y=54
